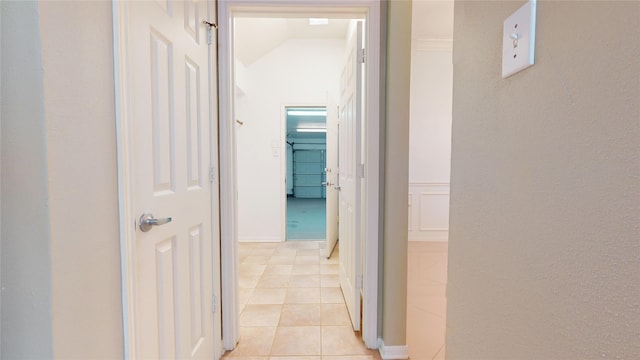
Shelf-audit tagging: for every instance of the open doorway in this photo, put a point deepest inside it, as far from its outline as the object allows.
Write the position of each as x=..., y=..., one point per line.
x=290, y=81
x=281, y=133
x=239, y=81
x=306, y=162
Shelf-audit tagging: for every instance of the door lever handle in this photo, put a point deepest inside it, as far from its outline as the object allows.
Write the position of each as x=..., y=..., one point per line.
x=147, y=221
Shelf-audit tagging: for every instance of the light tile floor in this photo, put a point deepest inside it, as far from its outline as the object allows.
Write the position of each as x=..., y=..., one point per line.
x=292, y=307
x=426, y=300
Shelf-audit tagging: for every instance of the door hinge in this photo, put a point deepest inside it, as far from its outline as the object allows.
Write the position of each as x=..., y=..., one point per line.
x=213, y=304
x=361, y=170
x=210, y=26
x=212, y=174
x=360, y=281
x=364, y=54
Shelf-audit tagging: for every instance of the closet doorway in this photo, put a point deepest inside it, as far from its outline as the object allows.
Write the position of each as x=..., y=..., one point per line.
x=306, y=144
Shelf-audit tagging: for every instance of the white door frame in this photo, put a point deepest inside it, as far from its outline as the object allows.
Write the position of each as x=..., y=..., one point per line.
x=125, y=146
x=227, y=10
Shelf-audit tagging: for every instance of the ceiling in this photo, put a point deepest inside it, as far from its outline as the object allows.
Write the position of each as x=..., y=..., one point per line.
x=255, y=37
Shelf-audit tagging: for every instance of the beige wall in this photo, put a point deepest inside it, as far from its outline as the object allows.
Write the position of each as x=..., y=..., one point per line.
x=544, y=253
x=60, y=244
x=396, y=173
x=83, y=193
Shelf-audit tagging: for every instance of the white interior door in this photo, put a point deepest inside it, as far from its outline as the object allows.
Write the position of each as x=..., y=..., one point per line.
x=350, y=175
x=168, y=59
x=331, y=178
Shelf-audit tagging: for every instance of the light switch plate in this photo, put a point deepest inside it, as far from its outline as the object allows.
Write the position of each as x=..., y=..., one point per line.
x=519, y=39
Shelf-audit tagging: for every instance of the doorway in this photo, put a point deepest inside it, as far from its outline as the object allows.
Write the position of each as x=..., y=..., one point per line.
x=306, y=162
x=234, y=121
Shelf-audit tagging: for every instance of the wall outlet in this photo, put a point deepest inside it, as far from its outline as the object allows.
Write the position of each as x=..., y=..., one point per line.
x=519, y=39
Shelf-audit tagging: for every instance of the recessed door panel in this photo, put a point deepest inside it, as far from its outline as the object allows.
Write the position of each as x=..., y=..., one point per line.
x=193, y=119
x=162, y=112
x=191, y=15
x=165, y=290
x=196, y=292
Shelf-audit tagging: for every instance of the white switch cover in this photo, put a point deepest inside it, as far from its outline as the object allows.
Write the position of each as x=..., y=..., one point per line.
x=519, y=39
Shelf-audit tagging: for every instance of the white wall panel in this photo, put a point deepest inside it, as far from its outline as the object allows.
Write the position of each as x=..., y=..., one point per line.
x=428, y=211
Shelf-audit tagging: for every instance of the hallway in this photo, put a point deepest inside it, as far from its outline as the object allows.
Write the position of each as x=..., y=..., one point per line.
x=292, y=306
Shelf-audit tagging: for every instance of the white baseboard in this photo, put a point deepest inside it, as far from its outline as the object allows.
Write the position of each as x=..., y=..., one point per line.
x=394, y=352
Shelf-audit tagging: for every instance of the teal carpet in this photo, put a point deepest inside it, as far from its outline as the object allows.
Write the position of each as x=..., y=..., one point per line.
x=306, y=219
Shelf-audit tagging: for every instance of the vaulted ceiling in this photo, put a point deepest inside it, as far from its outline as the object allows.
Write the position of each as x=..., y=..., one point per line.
x=257, y=36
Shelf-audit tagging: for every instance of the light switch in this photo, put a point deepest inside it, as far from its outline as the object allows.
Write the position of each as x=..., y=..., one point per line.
x=518, y=40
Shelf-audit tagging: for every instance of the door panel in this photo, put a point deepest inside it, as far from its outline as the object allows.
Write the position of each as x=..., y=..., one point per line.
x=168, y=58
x=349, y=163
x=331, y=178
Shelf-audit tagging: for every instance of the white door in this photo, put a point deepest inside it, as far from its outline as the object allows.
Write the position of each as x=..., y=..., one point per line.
x=168, y=59
x=331, y=178
x=350, y=174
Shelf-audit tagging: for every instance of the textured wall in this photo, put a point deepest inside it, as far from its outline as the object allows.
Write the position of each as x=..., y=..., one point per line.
x=60, y=245
x=396, y=173
x=26, y=278
x=544, y=253
x=83, y=183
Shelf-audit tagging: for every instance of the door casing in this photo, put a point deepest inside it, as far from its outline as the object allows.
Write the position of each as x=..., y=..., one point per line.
x=370, y=10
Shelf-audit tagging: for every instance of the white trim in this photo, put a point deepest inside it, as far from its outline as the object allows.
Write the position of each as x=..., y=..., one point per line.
x=372, y=159
x=284, y=154
x=395, y=352
x=432, y=45
x=336, y=8
x=214, y=184
x=125, y=176
x=228, y=174
x=410, y=203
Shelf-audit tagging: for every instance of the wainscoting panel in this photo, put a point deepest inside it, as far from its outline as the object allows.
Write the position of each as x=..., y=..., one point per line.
x=428, y=212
